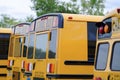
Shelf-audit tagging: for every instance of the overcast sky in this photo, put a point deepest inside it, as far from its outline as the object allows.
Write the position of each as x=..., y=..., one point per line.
x=19, y=9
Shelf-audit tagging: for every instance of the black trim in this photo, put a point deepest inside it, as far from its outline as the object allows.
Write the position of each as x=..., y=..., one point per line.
x=3, y=75
x=9, y=68
x=22, y=70
x=3, y=66
x=28, y=73
x=35, y=78
x=22, y=23
x=61, y=20
x=69, y=76
x=79, y=62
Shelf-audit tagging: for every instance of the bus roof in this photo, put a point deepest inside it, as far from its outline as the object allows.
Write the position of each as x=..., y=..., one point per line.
x=80, y=17
x=22, y=24
x=76, y=17
x=5, y=30
x=113, y=13
x=21, y=28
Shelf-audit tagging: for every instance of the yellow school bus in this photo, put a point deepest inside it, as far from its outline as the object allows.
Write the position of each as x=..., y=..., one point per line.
x=63, y=47
x=5, y=34
x=107, y=63
x=17, y=52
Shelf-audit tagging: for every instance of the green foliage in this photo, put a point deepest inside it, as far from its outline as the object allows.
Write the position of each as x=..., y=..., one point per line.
x=92, y=7
x=29, y=19
x=68, y=7
x=44, y=6
x=7, y=21
x=52, y=6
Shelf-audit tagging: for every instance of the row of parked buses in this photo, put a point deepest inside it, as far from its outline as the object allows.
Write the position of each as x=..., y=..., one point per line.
x=61, y=46
x=50, y=48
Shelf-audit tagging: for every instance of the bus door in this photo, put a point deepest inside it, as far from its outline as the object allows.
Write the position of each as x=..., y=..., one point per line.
x=41, y=50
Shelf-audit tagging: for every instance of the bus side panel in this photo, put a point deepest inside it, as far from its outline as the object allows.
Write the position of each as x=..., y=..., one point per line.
x=73, y=41
x=73, y=47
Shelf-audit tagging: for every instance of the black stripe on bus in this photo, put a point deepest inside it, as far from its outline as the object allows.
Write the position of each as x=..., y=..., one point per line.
x=69, y=76
x=3, y=66
x=3, y=75
x=28, y=73
x=79, y=62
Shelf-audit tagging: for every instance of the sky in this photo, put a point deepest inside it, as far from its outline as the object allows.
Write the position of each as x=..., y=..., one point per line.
x=20, y=9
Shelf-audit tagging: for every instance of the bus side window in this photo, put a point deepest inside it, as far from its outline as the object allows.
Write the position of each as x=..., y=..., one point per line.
x=25, y=46
x=11, y=47
x=31, y=46
x=18, y=47
x=102, y=55
x=92, y=30
x=115, y=62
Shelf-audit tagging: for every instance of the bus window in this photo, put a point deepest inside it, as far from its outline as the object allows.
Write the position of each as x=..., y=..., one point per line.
x=102, y=56
x=4, y=45
x=11, y=47
x=31, y=46
x=41, y=46
x=92, y=31
x=18, y=47
x=25, y=46
x=52, y=48
x=104, y=28
x=91, y=40
x=115, y=65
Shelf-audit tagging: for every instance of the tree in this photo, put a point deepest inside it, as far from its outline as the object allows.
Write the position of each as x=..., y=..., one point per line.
x=68, y=7
x=29, y=19
x=44, y=6
x=7, y=21
x=92, y=7
x=52, y=6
